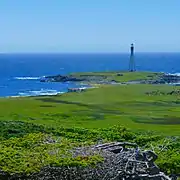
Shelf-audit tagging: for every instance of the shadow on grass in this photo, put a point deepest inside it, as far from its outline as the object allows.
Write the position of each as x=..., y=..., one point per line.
x=92, y=107
x=51, y=100
x=148, y=104
x=47, y=106
x=128, y=103
x=166, y=120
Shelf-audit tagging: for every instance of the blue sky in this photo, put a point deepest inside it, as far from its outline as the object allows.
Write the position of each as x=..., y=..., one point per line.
x=89, y=25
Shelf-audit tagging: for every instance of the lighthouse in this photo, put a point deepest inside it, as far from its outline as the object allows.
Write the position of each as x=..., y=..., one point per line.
x=132, y=67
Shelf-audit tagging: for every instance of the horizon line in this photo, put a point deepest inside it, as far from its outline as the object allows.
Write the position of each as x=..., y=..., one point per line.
x=1, y=53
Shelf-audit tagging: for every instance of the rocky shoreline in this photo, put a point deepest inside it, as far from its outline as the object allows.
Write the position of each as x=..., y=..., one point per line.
x=73, y=78
x=60, y=78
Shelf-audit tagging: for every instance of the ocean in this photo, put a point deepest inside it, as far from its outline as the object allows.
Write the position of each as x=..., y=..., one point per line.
x=20, y=73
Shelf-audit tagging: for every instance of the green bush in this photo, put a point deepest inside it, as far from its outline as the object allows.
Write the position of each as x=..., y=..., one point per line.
x=10, y=129
x=34, y=151
x=25, y=152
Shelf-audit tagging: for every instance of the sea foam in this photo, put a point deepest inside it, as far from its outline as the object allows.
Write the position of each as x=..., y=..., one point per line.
x=27, y=78
x=42, y=92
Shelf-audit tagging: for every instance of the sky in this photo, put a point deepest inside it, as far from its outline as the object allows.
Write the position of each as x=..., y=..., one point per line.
x=89, y=25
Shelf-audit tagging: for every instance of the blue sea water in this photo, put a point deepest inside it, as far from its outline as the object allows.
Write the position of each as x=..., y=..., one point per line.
x=20, y=73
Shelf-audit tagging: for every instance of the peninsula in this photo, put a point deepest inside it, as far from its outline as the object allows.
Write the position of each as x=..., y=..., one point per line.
x=115, y=77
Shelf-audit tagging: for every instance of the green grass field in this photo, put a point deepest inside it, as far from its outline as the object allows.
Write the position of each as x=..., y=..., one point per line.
x=127, y=76
x=127, y=105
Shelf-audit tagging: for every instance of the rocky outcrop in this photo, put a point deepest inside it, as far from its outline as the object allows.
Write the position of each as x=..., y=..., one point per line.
x=60, y=78
x=161, y=79
x=170, y=78
x=76, y=89
x=166, y=79
x=122, y=160
x=159, y=93
x=101, y=79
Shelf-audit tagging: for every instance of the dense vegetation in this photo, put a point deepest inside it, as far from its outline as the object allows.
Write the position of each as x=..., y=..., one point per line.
x=24, y=152
x=41, y=131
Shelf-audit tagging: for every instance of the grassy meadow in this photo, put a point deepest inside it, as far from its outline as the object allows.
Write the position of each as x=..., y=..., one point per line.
x=127, y=76
x=107, y=112
x=126, y=105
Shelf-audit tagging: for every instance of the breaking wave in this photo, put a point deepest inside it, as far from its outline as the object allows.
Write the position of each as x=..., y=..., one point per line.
x=27, y=78
x=42, y=92
x=174, y=74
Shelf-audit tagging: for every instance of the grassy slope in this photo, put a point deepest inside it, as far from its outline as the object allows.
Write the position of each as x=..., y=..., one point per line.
x=127, y=105
x=127, y=76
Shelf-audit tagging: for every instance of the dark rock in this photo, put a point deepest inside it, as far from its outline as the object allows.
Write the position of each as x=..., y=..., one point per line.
x=86, y=78
x=60, y=78
x=114, y=81
x=122, y=160
x=119, y=74
x=170, y=78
